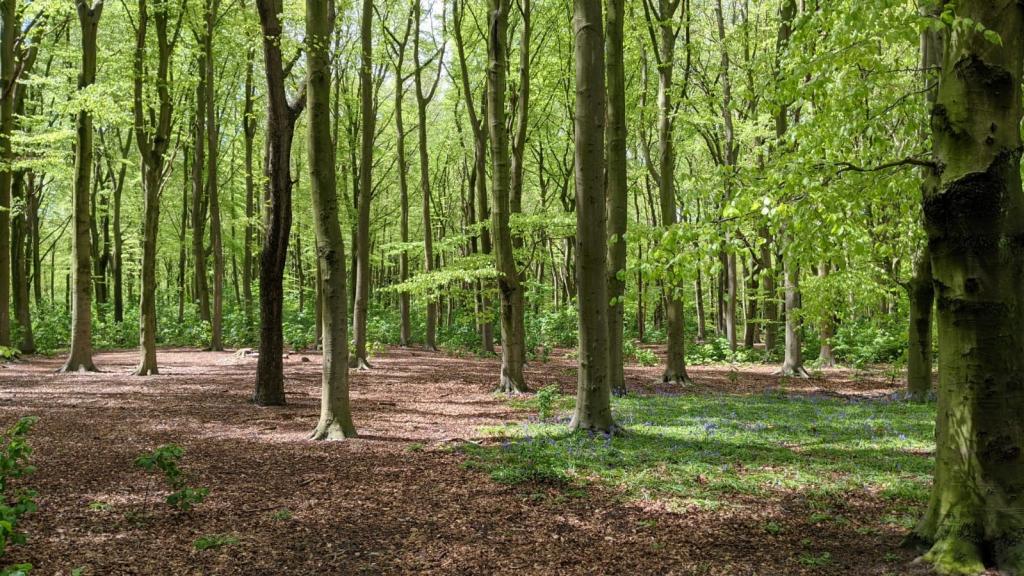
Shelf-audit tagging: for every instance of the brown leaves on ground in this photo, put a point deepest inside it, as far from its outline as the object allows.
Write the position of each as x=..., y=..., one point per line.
x=393, y=501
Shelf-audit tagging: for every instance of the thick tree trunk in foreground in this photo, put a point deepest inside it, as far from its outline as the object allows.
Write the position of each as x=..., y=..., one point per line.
x=617, y=190
x=368, y=119
x=10, y=29
x=335, y=414
x=509, y=288
x=921, y=291
x=281, y=118
x=593, y=393
x=80, y=356
x=974, y=216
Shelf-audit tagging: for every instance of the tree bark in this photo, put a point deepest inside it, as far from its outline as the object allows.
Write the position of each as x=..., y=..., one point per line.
x=281, y=118
x=826, y=359
x=249, y=139
x=974, y=216
x=593, y=403
x=212, y=189
x=368, y=119
x=152, y=135
x=80, y=356
x=793, y=363
x=921, y=291
x=510, y=290
x=616, y=206
x=335, y=415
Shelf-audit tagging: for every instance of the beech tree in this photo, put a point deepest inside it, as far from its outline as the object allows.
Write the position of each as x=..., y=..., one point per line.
x=974, y=217
x=80, y=356
x=368, y=129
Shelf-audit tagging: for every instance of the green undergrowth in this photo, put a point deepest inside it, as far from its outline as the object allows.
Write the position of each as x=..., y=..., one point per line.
x=703, y=449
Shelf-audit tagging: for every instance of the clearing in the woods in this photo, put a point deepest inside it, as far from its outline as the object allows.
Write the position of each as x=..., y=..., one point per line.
x=743, y=473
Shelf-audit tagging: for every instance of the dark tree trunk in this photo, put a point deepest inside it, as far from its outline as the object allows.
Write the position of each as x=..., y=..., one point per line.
x=368, y=120
x=616, y=205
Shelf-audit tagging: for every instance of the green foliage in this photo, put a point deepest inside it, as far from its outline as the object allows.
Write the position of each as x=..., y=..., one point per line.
x=863, y=343
x=640, y=355
x=546, y=398
x=15, y=501
x=213, y=541
x=165, y=460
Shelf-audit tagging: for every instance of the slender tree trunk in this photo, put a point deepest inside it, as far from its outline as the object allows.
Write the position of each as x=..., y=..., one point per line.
x=616, y=205
x=212, y=190
x=423, y=98
x=919, y=353
x=793, y=364
x=335, y=415
x=770, y=301
x=593, y=403
x=80, y=356
x=826, y=358
x=750, y=323
x=281, y=118
x=675, y=367
x=368, y=119
x=399, y=46
x=974, y=216
x=509, y=287
x=182, y=247
x=152, y=131
x=249, y=134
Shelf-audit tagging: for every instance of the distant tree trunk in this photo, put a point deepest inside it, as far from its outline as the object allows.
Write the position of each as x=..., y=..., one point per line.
x=729, y=159
x=280, y=132
x=199, y=280
x=750, y=325
x=617, y=190
x=32, y=220
x=593, y=403
x=664, y=24
x=80, y=355
x=182, y=246
x=335, y=415
x=152, y=135
x=702, y=329
x=793, y=364
x=828, y=328
x=921, y=290
x=509, y=287
x=20, y=253
x=770, y=301
x=249, y=133
x=368, y=120
x=212, y=190
x=974, y=216
x=479, y=168
x=423, y=98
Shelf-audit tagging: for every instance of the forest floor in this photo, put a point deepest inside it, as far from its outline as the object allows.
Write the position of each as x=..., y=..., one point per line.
x=742, y=473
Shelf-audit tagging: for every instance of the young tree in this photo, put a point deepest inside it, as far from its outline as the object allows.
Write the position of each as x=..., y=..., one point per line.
x=974, y=216
x=335, y=415
x=368, y=119
x=617, y=189
x=80, y=356
x=282, y=114
x=153, y=138
x=593, y=394
x=210, y=17
x=509, y=287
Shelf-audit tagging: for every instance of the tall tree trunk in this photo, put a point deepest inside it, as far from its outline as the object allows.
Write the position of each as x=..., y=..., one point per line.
x=10, y=30
x=249, y=133
x=368, y=119
x=974, y=216
x=182, y=246
x=729, y=159
x=750, y=323
x=511, y=291
x=770, y=300
x=212, y=190
x=281, y=118
x=80, y=356
x=593, y=403
x=335, y=415
x=399, y=46
x=199, y=280
x=423, y=97
x=616, y=206
x=152, y=135
x=675, y=367
x=921, y=291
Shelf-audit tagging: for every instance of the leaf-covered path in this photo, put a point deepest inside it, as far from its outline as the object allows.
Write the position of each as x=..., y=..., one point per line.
x=398, y=500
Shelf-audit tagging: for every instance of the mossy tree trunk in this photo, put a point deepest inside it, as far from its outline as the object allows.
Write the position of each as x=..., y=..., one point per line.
x=919, y=352
x=974, y=216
